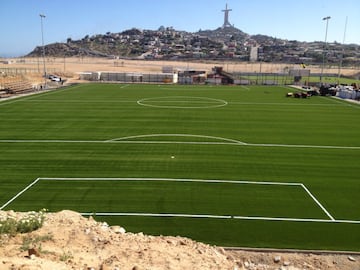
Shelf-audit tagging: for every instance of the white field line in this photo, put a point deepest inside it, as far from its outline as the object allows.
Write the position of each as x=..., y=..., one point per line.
x=79, y=101
x=302, y=146
x=281, y=104
x=342, y=102
x=125, y=140
x=124, y=86
x=179, y=135
x=36, y=94
x=118, y=142
x=317, y=202
x=156, y=215
x=218, y=217
x=239, y=143
x=192, y=102
x=181, y=107
x=174, y=142
x=17, y=99
x=217, y=102
x=30, y=98
x=50, y=141
x=350, y=102
x=284, y=219
x=21, y=192
x=170, y=180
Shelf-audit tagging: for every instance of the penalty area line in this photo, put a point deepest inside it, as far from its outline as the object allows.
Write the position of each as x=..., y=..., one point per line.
x=171, y=180
x=317, y=202
x=157, y=215
x=331, y=220
x=21, y=192
x=254, y=218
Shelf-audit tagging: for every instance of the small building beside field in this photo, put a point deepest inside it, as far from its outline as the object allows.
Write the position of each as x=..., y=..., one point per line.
x=129, y=77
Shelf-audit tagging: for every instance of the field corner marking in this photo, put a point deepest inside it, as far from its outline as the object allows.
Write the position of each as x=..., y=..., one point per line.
x=21, y=192
x=318, y=203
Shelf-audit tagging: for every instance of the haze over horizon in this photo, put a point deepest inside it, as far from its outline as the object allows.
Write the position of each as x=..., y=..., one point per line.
x=75, y=19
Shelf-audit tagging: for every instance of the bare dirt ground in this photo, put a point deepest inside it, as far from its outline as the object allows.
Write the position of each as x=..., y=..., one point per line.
x=69, y=67
x=69, y=241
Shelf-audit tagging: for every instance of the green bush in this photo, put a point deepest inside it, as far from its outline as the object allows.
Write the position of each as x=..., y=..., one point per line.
x=30, y=222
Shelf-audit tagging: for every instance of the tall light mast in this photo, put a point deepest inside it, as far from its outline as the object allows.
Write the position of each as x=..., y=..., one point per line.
x=325, y=49
x=42, y=16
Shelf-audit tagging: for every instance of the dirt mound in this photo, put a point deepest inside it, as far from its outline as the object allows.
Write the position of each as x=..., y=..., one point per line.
x=69, y=241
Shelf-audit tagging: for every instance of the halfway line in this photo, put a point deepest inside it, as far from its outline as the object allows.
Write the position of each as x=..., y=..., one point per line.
x=226, y=142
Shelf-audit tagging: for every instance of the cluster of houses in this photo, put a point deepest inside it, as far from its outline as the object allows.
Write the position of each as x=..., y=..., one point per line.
x=164, y=43
x=221, y=43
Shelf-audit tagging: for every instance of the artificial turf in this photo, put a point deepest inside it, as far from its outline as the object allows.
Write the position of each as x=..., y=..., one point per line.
x=255, y=134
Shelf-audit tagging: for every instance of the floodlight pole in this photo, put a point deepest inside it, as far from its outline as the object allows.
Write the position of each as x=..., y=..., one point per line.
x=43, y=47
x=325, y=49
x=342, y=55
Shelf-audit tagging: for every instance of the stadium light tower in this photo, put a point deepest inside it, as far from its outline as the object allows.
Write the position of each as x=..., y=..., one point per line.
x=42, y=16
x=325, y=49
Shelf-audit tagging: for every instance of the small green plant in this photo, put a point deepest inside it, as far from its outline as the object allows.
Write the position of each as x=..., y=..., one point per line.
x=30, y=222
x=26, y=243
x=30, y=242
x=8, y=226
x=66, y=256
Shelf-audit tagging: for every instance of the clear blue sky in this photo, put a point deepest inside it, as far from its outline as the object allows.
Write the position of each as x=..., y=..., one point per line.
x=20, y=29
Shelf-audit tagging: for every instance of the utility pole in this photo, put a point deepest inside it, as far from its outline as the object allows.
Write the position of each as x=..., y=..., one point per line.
x=43, y=47
x=342, y=55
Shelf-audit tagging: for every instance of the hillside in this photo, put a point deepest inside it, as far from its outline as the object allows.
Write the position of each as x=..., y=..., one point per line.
x=221, y=43
x=69, y=241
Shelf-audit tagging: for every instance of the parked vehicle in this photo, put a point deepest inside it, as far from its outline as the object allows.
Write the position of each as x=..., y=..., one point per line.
x=54, y=78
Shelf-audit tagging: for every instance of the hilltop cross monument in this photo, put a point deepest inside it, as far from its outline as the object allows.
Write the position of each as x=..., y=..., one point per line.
x=226, y=17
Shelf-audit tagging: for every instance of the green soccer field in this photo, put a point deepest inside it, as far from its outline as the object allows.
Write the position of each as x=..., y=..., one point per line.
x=232, y=166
